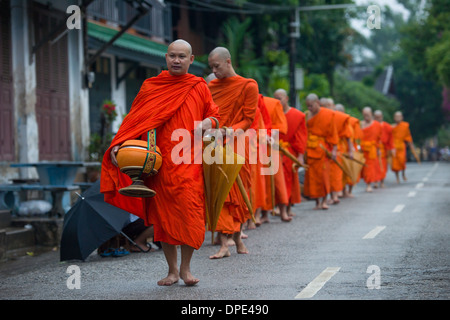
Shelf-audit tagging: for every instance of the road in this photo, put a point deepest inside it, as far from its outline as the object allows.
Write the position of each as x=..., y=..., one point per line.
x=392, y=244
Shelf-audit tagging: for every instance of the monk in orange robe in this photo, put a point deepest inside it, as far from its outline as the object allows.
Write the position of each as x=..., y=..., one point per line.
x=355, y=139
x=386, y=144
x=279, y=123
x=344, y=146
x=293, y=141
x=171, y=101
x=401, y=136
x=258, y=182
x=265, y=201
x=237, y=98
x=371, y=172
x=322, y=133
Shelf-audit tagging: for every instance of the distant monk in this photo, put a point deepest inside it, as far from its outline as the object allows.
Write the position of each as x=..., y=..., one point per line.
x=344, y=146
x=322, y=133
x=279, y=122
x=401, y=136
x=237, y=98
x=172, y=100
x=295, y=142
x=386, y=145
x=371, y=172
x=356, y=135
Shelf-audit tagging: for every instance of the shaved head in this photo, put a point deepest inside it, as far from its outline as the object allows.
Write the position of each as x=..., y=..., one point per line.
x=221, y=52
x=281, y=92
x=179, y=57
x=340, y=107
x=367, y=114
x=282, y=95
x=398, y=117
x=378, y=115
x=219, y=61
x=181, y=42
x=312, y=97
x=313, y=103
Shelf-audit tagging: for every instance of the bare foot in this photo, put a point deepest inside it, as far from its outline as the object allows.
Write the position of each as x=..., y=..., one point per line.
x=169, y=280
x=325, y=206
x=348, y=195
x=369, y=189
x=188, y=278
x=285, y=217
x=222, y=253
x=251, y=225
x=243, y=235
x=241, y=248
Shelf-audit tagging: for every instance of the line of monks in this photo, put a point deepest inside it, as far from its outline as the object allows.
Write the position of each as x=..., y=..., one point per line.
x=320, y=140
x=327, y=142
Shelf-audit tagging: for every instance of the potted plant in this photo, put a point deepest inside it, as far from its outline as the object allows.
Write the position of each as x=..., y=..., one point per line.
x=100, y=142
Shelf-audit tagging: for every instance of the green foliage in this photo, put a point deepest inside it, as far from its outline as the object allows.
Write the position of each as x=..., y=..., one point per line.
x=355, y=96
x=99, y=143
x=444, y=136
x=314, y=83
x=427, y=42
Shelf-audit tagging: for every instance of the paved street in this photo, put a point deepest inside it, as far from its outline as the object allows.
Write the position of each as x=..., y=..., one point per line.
x=391, y=244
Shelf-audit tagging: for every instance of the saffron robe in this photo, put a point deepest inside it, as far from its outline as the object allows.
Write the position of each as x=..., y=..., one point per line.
x=177, y=212
x=344, y=133
x=400, y=134
x=279, y=122
x=237, y=98
x=385, y=146
x=295, y=142
x=356, y=136
x=370, y=141
x=321, y=132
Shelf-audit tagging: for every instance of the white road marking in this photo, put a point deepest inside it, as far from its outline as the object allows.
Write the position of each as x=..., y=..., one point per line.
x=425, y=179
x=399, y=208
x=419, y=185
x=374, y=232
x=412, y=194
x=314, y=286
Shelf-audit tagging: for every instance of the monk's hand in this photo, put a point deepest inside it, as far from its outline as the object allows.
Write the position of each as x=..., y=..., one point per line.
x=113, y=153
x=350, y=153
x=301, y=159
x=334, y=154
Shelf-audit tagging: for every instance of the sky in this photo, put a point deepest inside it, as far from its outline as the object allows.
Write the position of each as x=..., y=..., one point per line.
x=361, y=25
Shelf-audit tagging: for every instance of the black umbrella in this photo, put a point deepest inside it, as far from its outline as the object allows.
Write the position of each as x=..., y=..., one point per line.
x=89, y=223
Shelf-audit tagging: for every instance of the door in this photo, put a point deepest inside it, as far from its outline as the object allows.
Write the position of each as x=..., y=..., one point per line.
x=6, y=93
x=52, y=92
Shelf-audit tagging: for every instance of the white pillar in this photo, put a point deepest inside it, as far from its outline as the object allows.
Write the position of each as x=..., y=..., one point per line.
x=24, y=87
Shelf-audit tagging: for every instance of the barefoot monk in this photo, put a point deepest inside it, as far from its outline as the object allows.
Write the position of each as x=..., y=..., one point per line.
x=171, y=101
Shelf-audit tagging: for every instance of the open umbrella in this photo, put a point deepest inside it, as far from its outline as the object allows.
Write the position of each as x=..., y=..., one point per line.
x=89, y=223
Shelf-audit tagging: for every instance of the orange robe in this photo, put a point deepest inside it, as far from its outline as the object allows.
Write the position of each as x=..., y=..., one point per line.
x=385, y=146
x=400, y=135
x=258, y=183
x=237, y=98
x=342, y=126
x=279, y=122
x=295, y=142
x=321, y=131
x=371, y=172
x=356, y=137
x=177, y=212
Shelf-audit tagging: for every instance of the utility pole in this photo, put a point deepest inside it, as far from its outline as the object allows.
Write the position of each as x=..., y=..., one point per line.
x=295, y=34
